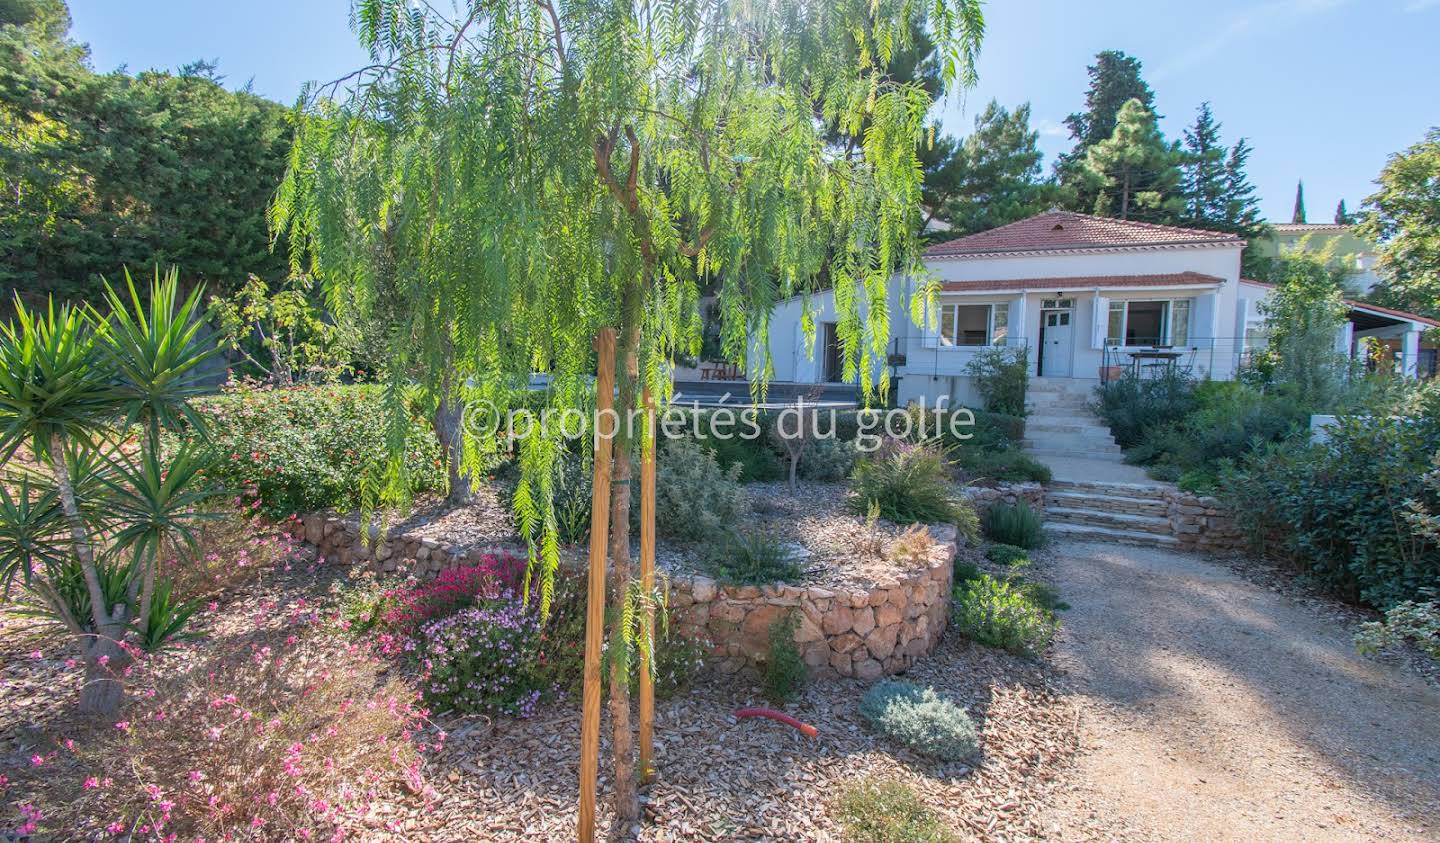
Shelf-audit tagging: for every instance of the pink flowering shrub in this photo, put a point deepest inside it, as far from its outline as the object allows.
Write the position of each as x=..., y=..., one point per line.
x=495, y=577
x=295, y=741
x=484, y=659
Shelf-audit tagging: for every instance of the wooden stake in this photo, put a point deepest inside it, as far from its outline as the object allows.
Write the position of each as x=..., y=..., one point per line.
x=605, y=429
x=647, y=585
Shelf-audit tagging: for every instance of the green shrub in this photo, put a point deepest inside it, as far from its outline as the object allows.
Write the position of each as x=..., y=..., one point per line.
x=829, y=460
x=999, y=428
x=308, y=448
x=694, y=497
x=1132, y=406
x=1350, y=513
x=1005, y=466
x=1015, y=524
x=1417, y=623
x=784, y=668
x=751, y=557
x=910, y=484
x=1002, y=377
x=1006, y=554
x=921, y=720
x=1001, y=613
x=878, y=811
x=1165, y=473
x=966, y=571
x=759, y=462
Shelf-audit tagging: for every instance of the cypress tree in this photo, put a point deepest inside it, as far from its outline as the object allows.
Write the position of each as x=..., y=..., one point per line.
x=1298, y=215
x=1342, y=216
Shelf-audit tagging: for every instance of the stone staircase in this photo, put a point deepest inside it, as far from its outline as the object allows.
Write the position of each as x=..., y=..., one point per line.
x=1061, y=424
x=1109, y=512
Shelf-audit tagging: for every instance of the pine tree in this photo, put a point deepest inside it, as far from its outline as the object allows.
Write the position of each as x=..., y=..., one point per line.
x=999, y=169
x=1114, y=80
x=1298, y=215
x=1134, y=172
x=1203, y=180
x=1342, y=216
x=1242, y=208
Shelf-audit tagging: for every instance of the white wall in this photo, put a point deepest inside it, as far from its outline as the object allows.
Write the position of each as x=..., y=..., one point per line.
x=935, y=372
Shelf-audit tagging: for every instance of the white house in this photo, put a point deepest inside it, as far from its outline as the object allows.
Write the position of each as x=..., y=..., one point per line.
x=1088, y=297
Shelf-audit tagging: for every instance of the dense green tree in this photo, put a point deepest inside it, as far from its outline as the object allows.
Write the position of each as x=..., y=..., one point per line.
x=1242, y=206
x=1297, y=216
x=1342, y=215
x=1202, y=180
x=103, y=171
x=1134, y=173
x=944, y=171
x=1403, y=216
x=1114, y=80
x=998, y=170
x=503, y=185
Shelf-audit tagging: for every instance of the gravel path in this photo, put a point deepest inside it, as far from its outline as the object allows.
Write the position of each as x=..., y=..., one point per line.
x=1216, y=709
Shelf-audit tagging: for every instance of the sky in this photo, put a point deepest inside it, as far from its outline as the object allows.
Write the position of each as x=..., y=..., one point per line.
x=1325, y=90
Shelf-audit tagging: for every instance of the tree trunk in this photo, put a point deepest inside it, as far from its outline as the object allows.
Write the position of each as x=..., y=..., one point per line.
x=627, y=803
x=105, y=662
x=446, y=423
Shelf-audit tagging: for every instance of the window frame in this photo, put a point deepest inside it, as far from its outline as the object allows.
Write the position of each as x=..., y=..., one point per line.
x=997, y=325
x=1122, y=306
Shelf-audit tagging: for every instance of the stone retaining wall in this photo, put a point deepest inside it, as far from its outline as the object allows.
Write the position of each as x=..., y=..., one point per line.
x=984, y=497
x=338, y=540
x=855, y=632
x=1200, y=523
x=864, y=633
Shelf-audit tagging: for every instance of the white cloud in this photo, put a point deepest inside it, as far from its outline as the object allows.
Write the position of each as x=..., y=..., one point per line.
x=1252, y=19
x=1050, y=129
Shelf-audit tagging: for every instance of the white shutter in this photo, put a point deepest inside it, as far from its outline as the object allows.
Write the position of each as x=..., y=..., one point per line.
x=1099, y=321
x=1203, y=317
x=1019, y=323
x=929, y=331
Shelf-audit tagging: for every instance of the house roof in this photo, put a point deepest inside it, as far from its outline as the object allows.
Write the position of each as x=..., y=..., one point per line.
x=1086, y=282
x=1309, y=227
x=1056, y=231
x=1366, y=307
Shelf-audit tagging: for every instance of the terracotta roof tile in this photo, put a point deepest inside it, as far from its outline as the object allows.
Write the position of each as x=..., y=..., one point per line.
x=1055, y=230
x=1086, y=282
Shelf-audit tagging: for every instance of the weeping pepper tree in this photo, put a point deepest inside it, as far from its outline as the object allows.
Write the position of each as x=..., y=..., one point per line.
x=500, y=184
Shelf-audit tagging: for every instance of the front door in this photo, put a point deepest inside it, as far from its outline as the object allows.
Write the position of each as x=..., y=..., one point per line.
x=1056, y=343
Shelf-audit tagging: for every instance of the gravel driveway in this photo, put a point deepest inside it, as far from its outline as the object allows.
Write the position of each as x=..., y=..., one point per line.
x=1216, y=709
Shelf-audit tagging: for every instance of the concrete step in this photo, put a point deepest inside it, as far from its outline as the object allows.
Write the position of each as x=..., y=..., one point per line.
x=1103, y=456
x=1062, y=425
x=1112, y=520
x=1076, y=444
x=1095, y=501
x=1154, y=491
x=1111, y=535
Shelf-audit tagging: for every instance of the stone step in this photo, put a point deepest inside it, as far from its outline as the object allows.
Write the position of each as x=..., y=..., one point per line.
x=1095, y=501
x=1078, y=444
x=1147, y=491
x=1103, y=456
x=1113, y=520
x=1062, y=425
x=1082, y=532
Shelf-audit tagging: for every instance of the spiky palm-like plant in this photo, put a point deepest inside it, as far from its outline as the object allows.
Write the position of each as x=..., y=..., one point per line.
x=85, y=537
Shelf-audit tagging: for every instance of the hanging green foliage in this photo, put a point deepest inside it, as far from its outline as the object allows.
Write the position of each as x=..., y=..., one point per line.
x=498, y=186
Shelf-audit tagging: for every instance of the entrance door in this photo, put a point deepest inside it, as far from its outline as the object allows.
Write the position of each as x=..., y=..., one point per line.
x=833, y=365
x=1056, y=343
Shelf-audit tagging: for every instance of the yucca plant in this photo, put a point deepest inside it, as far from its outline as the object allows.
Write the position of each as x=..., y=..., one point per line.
x=85, y=537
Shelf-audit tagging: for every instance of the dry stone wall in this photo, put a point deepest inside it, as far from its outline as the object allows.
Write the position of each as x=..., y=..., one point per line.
x=865, y=633
x=984, y=497
x=1199, y=522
